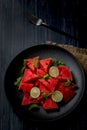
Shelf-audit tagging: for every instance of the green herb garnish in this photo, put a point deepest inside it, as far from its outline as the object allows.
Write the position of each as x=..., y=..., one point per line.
x=46, y=95
x=54, y=60
x=67, y=83
x=17, y=82
x=60, y=63
x=35, y=62
x=33, y=106
x=57, y=62
x=46, y=76
x=24, y=66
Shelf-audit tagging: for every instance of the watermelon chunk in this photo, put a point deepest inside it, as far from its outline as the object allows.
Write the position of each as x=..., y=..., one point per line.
x=40, y=72
x=65, y=73
x=32, y=63
x=27, y=100
x=50, y=104
x=68, y=94
x=45, y=64
x=29, y=76
x=44, y=82
x=26, y=87
x=72, y=87
x=62, y=78
x=53, y=83
x=43, y=88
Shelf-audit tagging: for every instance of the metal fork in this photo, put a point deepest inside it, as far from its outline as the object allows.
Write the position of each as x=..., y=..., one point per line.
x=39, y=22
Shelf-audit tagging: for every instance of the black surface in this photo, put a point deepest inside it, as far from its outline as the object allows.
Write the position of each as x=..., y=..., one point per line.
x=17, y=34
x=42, y=50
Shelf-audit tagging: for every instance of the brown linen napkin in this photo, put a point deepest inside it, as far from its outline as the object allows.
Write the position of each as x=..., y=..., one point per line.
x=79, y=53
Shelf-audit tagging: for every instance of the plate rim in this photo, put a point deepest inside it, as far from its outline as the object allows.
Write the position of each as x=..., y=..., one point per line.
x=67, y=113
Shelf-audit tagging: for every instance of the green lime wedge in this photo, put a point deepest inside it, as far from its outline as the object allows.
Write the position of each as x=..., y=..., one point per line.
x=53, y=71
x=35, y=92
x=57, y=96
x=35, y=62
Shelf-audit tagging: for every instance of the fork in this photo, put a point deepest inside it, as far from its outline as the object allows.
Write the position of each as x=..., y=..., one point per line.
x=39, y=22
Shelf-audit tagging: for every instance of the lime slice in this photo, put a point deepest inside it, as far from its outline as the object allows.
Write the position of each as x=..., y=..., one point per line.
x=57, y=96
x=53, y=71
x=35, y=62
x=35, y=92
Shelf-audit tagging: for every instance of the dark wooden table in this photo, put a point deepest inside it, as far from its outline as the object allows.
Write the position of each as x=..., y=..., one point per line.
x=17, y=34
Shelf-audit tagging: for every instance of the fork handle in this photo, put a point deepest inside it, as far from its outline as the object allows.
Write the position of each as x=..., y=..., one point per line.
x=63, y=33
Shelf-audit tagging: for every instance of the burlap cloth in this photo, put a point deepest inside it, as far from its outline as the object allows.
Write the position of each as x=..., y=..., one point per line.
x=79, y=53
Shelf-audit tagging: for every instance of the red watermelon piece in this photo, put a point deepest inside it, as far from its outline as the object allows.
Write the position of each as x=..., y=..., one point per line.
x=44, y=82
x=40, y=72
x=45, y=64
x=72, y=87
x=27, y=100
x=53, y=83
x=68, y=94
x=40, y=99
x=26, y=87
x=43, y=88
x=31, y=63
x=50, y=104
x=62, y=78
x=29, y=76
x=65, y=73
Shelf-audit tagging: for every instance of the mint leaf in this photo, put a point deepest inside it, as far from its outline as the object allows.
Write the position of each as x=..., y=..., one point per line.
x=46, y=76
x=46, y=95
x=33, y=106
x=17, y=82
x=54, y=60
x=24, y=66
x=60, y=63
x=57, y=62
x=67, y=83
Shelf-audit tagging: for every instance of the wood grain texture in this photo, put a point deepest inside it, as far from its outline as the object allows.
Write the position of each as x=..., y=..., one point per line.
x=17, y=34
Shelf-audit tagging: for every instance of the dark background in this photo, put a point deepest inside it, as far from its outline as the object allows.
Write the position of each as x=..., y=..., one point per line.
x=17, y=34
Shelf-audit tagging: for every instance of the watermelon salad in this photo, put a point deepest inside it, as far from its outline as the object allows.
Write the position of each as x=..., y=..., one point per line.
x=46, y=82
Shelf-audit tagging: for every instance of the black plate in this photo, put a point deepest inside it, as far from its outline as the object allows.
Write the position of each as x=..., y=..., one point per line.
x=43, y=51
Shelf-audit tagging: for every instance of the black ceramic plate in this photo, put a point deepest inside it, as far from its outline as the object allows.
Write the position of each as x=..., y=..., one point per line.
x=43, y=51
